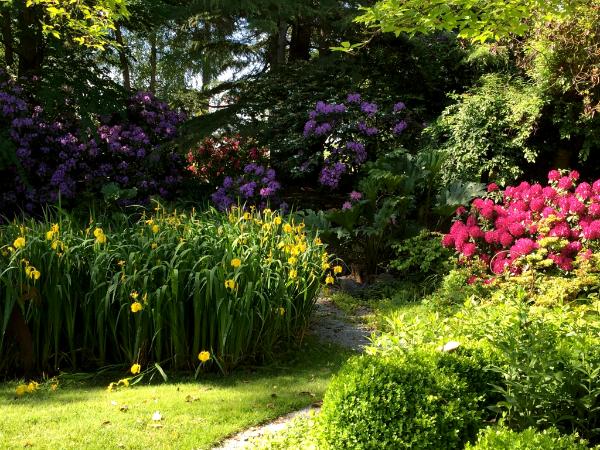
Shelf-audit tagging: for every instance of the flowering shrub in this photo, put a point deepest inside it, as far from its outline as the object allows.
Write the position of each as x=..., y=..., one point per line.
x=216, y=158
x=350, y=133
x=124, y=157
x=162, y=289
x=551, y=226
x=257, y=185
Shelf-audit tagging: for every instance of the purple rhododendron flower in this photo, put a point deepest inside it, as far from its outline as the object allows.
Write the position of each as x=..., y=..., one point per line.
x=353, y=98
x=355, y=196
x=400, y=127
x=400, y=106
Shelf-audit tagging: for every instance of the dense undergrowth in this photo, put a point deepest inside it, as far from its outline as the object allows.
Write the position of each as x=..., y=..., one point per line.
x=158, y=289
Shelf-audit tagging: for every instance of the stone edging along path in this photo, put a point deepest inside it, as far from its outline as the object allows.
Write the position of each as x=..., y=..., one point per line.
x=329, y=324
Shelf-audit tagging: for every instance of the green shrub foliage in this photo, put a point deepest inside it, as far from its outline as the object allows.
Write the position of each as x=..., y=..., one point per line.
x=545, y=360
x=487, y=132
x=400, y=402
x=494, y=438
x=422, y=255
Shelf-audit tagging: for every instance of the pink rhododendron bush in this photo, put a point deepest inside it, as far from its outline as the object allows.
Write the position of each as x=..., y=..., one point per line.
x=551, y=227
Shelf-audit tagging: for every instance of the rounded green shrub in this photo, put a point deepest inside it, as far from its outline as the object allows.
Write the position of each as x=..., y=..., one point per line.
x=494, y=438
x=408, y=401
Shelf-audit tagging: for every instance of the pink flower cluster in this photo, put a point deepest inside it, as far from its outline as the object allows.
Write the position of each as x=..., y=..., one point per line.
x=506, y=226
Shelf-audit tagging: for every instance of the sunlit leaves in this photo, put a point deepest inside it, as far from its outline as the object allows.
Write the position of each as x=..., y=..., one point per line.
x=88, y=25
x=477, y=21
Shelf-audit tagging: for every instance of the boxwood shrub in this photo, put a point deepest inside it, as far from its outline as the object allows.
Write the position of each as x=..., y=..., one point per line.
x=415, y=400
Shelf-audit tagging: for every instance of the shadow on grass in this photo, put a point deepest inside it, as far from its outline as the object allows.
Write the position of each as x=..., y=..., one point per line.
x=309, y=360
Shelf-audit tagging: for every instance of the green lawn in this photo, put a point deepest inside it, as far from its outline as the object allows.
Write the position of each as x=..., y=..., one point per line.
x=195, y=414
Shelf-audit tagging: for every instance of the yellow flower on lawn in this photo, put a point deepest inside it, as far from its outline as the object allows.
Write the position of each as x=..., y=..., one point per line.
x=230, y=284
x=54, y=228
x=292, y=260
x=49, y=235
x=277, y=220
x=154, y=246
x=32, y=387
x=281, y=311
x=329, y=280
x=293, y=274
x=288, y=228
x=19, y=242
x=122, y=262
x=236, y=262
x=35, y=274
x=325, y=265
x=134, y=295
x=124, y=382
x=135, y=369
x=21, y=389
x=155, y=229
x=247, y=216
x=318, y=241
x=136, y=307
x=204, y=356
x=337, y=269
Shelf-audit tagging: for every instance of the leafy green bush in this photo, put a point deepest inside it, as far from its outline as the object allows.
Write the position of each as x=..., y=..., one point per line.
x=399, y=402
x=399, y=195
x=486, y=133
x=494, y=438
x=545, y=360
x=422, y=255
x=162, y=288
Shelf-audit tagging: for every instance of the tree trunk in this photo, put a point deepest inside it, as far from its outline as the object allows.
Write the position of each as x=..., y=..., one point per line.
x=7, y=38
x=153, y=63
x=31, y=41
x=300, y=45
x=123, y=57
x=281, y=42
x=278, y=45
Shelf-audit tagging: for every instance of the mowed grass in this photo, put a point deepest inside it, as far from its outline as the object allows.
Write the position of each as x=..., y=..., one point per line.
x=196, y=414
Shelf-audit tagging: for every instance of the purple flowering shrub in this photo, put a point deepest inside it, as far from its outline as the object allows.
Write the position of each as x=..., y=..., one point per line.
x=547, y=227
x=133, y=149
x=47, y=158
x=350, y=134
x=257, y=186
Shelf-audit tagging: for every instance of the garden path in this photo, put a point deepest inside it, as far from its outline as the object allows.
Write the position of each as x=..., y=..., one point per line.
x=329, y=324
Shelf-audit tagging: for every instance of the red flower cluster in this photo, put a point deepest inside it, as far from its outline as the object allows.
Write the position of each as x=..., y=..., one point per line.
x=217, y=158
x=563, y=218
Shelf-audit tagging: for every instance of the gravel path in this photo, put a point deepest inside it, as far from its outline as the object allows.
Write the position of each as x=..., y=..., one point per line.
x=329, y=324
